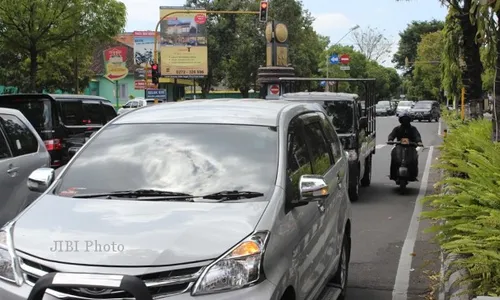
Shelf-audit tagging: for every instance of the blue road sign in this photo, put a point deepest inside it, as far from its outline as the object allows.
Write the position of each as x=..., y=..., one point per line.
x=322, y=83
x=334, y=59
x=156, y=94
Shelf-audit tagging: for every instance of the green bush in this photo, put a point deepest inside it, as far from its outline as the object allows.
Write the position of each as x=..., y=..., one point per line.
x=470, y=204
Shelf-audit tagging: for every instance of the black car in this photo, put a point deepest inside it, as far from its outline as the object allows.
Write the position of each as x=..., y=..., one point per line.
x=64, y=122
x=426, y=110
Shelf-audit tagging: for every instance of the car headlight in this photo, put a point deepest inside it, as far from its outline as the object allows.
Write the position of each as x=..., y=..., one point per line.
x=239, y=268
x=352, y=155
x=9, y=266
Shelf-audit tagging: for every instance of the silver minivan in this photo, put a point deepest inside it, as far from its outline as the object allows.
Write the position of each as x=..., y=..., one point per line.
x=21, y=152
x=227, y=200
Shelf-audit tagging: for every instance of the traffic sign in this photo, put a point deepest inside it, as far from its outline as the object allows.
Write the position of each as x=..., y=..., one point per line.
x=200, y=19
x=334, y=59
x=322, y=83
x=345, y=68
x=275, y=89
x=345, y=59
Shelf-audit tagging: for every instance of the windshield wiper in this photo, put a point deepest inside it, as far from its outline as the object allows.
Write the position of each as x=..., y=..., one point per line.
x=232, y=195
x=158, y=194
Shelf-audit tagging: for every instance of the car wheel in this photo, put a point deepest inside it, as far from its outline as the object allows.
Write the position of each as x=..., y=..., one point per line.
x=367, y=177
x=342, y=273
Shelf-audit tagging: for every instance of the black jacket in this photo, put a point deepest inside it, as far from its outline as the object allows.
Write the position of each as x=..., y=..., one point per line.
x=410, y=132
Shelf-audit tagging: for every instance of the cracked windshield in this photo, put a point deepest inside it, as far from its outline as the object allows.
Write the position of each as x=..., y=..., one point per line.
x=249, y=149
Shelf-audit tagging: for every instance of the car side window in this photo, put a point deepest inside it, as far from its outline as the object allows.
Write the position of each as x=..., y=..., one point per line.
x=321, y=155
x=4, y=147
x=134, y=104
x=93, y=112
x=331, y=137
x=22, y=141
x=298, y=160
x=109, y=112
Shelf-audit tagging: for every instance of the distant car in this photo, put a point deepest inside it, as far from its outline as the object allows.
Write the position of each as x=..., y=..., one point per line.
x=384, y=108
x=426, y=110
x=65, y=122
x=232, y=199
x=403, y=106
x=137, y=103
x=21, y=152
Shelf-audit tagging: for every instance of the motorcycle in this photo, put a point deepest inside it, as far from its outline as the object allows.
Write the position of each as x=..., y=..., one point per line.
x=403, y=175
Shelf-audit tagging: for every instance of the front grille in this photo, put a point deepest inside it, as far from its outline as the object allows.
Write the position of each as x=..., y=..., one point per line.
x=160, y=284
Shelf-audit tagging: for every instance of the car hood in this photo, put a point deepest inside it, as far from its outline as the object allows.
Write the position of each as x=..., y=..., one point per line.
x=138, y=233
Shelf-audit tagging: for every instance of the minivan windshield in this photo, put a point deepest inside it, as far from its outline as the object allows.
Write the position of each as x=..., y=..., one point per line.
x=196, y=159
x=341, y=114
x=384, y=104
x=405, y=104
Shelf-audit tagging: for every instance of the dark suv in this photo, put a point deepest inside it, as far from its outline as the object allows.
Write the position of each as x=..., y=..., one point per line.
x=64, y=122
x=426, y=110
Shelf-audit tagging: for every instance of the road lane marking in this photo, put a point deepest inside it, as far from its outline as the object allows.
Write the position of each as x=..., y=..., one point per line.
x=402, y=282
x=439, y=127
x=380, y=146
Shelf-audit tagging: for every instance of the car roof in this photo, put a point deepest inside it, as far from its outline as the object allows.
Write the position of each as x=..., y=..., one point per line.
x=12, y=111
x=214, y=111
x=59, y=96
x=315, y=96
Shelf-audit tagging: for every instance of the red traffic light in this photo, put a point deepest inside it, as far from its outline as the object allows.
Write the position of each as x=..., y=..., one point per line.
x=263, y=4
x=154, y=67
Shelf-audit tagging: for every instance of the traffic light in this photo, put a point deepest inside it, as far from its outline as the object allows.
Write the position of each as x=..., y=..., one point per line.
x=264, y=5
x=155, y=73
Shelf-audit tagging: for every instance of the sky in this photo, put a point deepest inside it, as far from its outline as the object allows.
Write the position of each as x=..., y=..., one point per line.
x=332, y=18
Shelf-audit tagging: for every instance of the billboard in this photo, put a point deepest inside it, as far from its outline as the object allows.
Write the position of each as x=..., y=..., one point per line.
x=115, y=63
x=143, y=55
x=183, y=37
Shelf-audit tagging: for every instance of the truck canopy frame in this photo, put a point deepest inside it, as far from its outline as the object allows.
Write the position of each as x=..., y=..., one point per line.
x=367, y=95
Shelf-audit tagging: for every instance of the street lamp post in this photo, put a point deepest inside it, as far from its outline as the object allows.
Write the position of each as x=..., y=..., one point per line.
x=328, y=55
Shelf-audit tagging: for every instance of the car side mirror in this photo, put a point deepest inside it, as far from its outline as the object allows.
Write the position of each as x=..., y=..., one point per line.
x=40, y=179
x=363, y=122
x=313, y=188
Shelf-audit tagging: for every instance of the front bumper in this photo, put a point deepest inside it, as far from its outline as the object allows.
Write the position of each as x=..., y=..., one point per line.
x=262, y=291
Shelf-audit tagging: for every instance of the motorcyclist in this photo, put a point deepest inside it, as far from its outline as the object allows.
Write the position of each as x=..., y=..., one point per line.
x=405, y=130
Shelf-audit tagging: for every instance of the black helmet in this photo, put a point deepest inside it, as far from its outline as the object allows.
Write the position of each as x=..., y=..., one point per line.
x=404, y=117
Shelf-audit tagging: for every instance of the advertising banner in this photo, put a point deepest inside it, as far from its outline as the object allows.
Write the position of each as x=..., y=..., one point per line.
x=143, y=56
x=183, y=36
x=156, y=94
x=115, y=63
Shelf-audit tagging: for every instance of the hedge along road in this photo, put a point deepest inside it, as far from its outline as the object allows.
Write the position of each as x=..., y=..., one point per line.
x=390, y=255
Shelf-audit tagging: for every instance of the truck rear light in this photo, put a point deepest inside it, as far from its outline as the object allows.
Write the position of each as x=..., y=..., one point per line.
x=54, y=144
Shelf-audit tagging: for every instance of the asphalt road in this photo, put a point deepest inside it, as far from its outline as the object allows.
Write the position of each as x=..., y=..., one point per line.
x=381, y=222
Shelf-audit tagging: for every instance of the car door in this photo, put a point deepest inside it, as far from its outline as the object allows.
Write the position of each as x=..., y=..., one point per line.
x=322, y=230
x=298, y=164
x=7, y=182
x=15, y=171
x=341, y=197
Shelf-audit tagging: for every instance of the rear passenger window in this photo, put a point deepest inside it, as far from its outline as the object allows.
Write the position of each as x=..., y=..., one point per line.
x=321, y=153
x=72, y=113
x=93, y=113
x=4, y=147
x=109, y=112
x=331, y=137
x=22, y=141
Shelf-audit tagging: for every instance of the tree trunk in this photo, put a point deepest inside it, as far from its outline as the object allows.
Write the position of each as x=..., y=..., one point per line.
x=77, y=85
x=244, y=92
x=474, y=67
x=33, y=69
x=495, y=136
